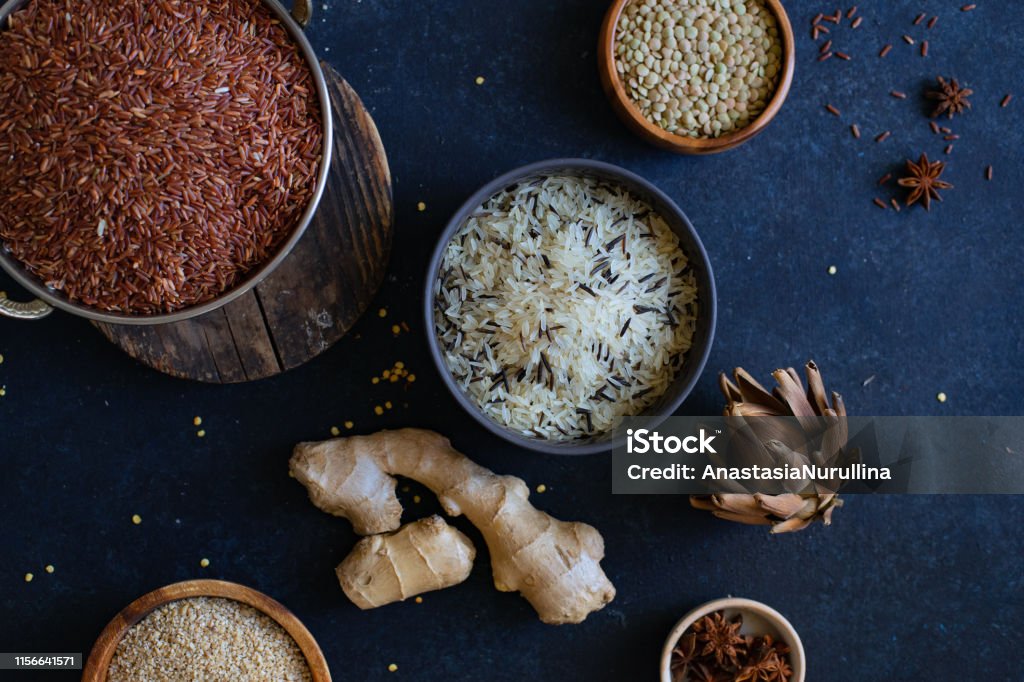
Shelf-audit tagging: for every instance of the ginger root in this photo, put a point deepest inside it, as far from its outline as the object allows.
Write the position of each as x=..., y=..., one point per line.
x=555, y=565
x=419, y=557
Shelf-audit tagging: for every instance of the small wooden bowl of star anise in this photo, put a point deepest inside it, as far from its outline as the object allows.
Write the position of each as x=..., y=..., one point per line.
x=733, y=640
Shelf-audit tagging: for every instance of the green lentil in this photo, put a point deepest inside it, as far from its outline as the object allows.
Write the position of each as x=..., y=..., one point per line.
x=699, y=68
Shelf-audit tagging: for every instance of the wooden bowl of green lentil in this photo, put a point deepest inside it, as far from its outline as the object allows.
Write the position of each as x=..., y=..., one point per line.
x=98, y=666
x=672, y=54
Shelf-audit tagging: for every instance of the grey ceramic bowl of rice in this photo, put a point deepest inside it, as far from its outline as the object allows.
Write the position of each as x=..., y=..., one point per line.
x=563, y=295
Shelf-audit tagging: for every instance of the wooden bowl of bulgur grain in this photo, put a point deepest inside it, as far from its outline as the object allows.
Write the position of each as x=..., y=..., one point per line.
x=205, y=628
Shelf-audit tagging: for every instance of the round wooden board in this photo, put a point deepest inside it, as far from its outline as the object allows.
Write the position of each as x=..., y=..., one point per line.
x=315, y=296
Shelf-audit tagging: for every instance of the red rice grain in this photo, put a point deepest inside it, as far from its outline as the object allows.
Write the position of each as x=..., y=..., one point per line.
x=153, y=152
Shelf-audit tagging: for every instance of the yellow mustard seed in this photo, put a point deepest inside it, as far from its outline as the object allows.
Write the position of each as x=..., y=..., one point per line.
x=136, y=519
x=399, y=365
x=375, y=380
x=416, y=499
x=3, y=391
x=388, y=404
x=197, y=421
x=411, y=378
x=204, y=562
x=832, y=269
x=201, y=433
x=386, y=374
x=28, y=577
x=335, y=431
x=394, y=378
x=378, y=410
x=392, y=668
x=479, y=80
x=419, y=600
x=941, y=397
x=49, y=568
x=396, y=330
x=421, y=207
x=542, y=488
x=349, y=425
x=1, y=359
x=383, y=312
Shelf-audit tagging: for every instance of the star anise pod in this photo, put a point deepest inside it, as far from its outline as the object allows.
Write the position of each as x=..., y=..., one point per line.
x=721, y=638
x=923, y=181
x=951, y=97
x=783, y=672
x=684, y=654
x=702, y=673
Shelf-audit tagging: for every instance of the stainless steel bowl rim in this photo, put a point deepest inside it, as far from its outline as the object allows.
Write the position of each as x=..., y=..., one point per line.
x=696, y=358
x=31, y=283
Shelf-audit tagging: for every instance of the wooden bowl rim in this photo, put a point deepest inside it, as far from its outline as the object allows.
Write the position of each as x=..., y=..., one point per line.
x=106, y=644
x=627, y=108
x=784, y=628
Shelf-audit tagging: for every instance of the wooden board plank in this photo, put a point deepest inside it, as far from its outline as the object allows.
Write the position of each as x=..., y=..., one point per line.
x=315, y=296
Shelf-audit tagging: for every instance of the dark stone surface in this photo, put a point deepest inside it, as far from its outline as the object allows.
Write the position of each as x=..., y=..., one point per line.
x=898, y=589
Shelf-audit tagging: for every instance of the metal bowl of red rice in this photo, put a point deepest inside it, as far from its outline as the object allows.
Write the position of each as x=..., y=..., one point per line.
x=158, y=160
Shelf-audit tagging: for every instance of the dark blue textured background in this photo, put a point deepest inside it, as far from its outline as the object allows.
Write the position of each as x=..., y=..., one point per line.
x=898, y=588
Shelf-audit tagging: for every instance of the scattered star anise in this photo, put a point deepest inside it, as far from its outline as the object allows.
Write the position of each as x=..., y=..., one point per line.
x=951, y=97
x=721, y=638
x=684, y=654
x=923, y=181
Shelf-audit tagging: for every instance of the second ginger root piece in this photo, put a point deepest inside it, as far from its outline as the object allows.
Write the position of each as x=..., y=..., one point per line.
x=419, y=557
x=554, y=564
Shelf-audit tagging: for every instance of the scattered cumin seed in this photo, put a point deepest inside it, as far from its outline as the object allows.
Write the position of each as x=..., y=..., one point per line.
x=827, y=55
x=907, y=39
x=924, y=48
x=931, y=22
x=832, y=110
x=1006, y=101
x=855, y=129
x=897, y=94
x=883, y=136
x=857, y=22
x=843, y=56
x=885, y=50
x=968, y=8
x=879, y=203
x=885, y=178
x=919, y=18
x=988, y=173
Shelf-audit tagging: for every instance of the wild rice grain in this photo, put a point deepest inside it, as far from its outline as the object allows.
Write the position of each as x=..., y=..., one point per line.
x=154, y=152
x=490, y=307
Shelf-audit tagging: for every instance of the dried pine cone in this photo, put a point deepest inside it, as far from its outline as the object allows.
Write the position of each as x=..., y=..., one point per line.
x=776, y=442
